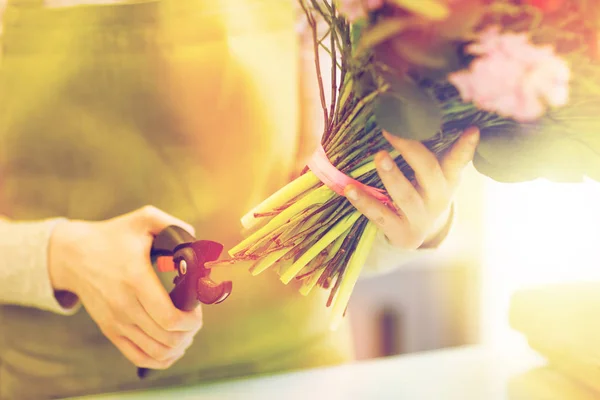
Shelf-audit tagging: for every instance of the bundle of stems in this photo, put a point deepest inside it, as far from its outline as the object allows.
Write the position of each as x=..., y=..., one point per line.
x=305, y=229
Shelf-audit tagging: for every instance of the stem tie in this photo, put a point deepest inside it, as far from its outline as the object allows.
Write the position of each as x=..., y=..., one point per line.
x=337, y=181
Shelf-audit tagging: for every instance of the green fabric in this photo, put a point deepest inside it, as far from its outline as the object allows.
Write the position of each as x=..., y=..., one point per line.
x=108, y=108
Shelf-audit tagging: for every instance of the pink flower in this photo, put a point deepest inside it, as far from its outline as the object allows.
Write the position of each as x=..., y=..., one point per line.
x=357, y=9
x=513, y=77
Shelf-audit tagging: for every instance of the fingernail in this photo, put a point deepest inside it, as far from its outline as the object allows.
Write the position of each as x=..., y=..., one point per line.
x=351, y=193
x=385, y=162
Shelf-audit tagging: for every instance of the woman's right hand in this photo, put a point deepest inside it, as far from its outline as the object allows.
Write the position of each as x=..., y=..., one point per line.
x=107, y=265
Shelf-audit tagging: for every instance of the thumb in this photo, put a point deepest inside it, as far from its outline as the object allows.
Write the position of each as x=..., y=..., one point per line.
x=460, y=155
x=153, y=220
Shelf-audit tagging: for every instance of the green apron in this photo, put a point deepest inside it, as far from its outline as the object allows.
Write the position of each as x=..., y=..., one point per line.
x=191, y=106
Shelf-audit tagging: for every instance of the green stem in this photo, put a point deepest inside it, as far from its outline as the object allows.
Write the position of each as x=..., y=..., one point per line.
x=312, y=280
x=318, y=196
x=280, y=197
x=340, y=133
x=352, y=274
x=345, y=92
x=369, y=166
x=266, y=262
x=334, y=210
x=273, y=239
x=314, y=250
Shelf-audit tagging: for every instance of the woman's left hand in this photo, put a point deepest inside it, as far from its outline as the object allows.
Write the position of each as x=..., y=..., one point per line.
x=423, y=207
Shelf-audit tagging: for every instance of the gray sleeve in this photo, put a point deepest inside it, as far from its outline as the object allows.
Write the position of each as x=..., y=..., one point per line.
x=24, y=278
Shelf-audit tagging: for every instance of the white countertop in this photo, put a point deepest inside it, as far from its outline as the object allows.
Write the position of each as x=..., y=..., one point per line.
x=468, y=373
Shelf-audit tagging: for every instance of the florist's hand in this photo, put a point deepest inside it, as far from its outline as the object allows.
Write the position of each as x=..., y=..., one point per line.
x=423, y=207
x=107, y=265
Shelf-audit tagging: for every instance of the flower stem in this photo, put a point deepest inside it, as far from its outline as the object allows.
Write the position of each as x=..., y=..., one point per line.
x=352, y=273
x=280, y=197
x=335, y=232
x=312, y=280
x=266, y=262
x=318, y=196
x=369, y=166
x=340, y=134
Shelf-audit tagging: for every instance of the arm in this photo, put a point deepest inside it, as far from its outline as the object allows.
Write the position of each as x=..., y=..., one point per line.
x=24, y=276
x=53, y=263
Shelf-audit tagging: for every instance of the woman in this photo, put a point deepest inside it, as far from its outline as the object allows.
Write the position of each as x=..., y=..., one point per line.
x=191, y=106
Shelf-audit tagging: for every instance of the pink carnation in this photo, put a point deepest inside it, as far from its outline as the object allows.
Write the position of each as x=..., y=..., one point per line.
x=357, y=9
x=513, y=77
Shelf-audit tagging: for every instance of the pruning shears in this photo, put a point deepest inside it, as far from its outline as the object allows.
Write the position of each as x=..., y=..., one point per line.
x=174, y=249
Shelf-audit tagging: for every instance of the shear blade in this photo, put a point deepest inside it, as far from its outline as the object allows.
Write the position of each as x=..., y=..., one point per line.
x=207, y=250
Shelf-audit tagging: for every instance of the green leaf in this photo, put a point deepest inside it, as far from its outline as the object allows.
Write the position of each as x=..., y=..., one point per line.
x=419, y=55
x=356, y=30
x=500, y=173
x=407, y=111
x=435, y=10
x=509, y=147
x=564, y=146
x=382, y=31
x=452, y=63
x=465, y=17
x=540, y=153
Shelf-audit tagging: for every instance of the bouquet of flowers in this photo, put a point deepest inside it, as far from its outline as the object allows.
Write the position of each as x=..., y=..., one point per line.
x=522, y=71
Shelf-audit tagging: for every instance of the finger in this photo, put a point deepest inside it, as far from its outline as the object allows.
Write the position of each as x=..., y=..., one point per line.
x=166, y=338
x=158, y=305
x=154, y=220
x=401, y=190
x=138, y=357
x=154, y=349
x=428, y=171
x=460, y=155
x=391, y=224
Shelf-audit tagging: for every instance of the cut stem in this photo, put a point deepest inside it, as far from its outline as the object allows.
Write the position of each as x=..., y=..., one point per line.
x=318, y=196
x=310, y=283
x=325, y=241
x=266, y=262
x=280, y=197
x=352, y=273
